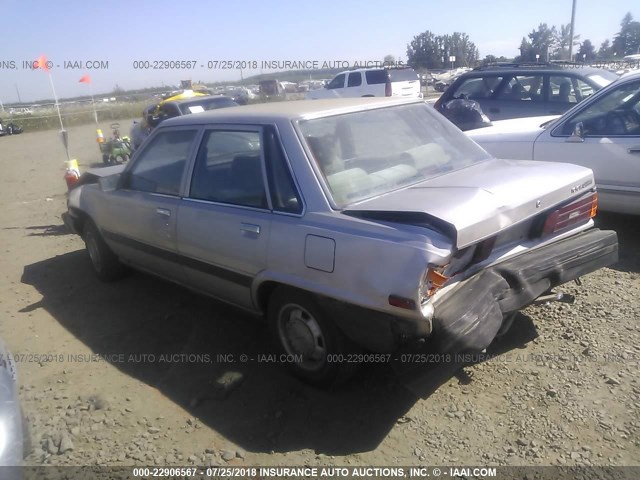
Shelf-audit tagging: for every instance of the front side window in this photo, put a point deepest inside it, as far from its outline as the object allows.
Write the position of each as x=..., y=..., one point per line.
x=337, y=82
x=364, y=154
x=228, y=169
x=616, y=113
x=565, y=89
x=160, y=166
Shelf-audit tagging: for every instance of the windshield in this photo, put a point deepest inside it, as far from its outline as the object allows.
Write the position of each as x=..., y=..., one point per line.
x=369, y=153
x=602, y=79
x=206, y=104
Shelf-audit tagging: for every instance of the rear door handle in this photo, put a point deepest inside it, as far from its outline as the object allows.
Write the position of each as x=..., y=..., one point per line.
x=634, y=149
x=250, y=228
x=494, y=110
x=163, y=211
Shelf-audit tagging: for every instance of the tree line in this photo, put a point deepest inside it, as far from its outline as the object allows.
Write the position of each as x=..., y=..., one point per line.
x=545, y=43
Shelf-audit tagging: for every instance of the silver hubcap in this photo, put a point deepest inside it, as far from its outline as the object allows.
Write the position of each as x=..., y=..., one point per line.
x=94, y=252
x=300, y=334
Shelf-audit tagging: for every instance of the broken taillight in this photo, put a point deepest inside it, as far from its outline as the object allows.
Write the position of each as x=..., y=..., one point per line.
x=433, y=280
x=579, y=211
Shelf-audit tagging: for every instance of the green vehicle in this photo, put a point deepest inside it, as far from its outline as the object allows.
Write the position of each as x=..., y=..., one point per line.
x=117, y=149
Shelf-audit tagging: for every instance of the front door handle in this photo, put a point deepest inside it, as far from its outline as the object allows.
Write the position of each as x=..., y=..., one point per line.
x=250, y=228
x=634, y=149
x=163, y=211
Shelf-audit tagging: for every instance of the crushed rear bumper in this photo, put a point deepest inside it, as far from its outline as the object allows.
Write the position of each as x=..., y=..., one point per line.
x=471, y=315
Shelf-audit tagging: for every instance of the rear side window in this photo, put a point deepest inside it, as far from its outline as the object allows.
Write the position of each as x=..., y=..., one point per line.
x=160, y=166
x=228, y=169
x=355, y=79
x=376, y=77
x=403, y=75
x=523, y=87
x=478, y=88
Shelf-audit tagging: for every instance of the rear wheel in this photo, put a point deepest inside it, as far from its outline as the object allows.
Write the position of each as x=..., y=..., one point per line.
x=105, y=263
x=314, y=347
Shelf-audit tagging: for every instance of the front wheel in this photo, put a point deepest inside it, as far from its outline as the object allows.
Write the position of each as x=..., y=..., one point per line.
x=105, y=263
x=303, y=332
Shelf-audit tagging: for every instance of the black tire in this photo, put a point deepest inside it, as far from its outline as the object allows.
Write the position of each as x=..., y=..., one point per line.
x=105, y=159
x=105, y=263
x=112, y=160
x=300, y=327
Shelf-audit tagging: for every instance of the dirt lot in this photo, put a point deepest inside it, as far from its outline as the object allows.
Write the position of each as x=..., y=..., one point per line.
x=563, y=387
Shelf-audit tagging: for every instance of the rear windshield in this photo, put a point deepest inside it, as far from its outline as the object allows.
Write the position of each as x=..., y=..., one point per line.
x=372, y=152
x=206, y=104
x=404, y=75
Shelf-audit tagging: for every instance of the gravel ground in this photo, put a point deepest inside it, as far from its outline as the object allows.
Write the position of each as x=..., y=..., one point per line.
x=561, y=388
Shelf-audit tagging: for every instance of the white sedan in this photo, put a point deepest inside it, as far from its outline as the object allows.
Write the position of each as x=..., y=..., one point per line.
x=601, y=133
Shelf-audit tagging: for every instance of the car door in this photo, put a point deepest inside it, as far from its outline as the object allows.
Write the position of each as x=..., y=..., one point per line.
x=225, y=217
x=609, y=144
x=141, y=224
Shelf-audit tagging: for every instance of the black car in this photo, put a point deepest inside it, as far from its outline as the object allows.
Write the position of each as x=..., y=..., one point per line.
x=514, y=90
x=153, y=115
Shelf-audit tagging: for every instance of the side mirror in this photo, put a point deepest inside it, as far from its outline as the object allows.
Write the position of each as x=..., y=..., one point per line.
x=111, y=182
x=577, y=135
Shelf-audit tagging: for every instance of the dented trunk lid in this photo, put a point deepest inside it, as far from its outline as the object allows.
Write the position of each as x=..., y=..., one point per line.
x=480, y=201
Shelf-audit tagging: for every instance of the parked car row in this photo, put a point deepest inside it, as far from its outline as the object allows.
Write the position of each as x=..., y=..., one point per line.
x=350, y=224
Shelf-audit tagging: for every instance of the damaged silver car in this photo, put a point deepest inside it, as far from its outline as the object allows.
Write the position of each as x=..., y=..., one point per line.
x=372, y=222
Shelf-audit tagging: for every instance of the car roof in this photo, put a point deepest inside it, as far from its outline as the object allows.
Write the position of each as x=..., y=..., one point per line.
x=532, y=67
x=288, y=110
x=535, y=66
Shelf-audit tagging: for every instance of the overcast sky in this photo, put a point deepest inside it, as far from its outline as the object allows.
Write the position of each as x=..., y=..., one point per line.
x=123, y=32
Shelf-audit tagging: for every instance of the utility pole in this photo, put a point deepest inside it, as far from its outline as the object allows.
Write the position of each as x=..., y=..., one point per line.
x=18, y=92
x=573, y=21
